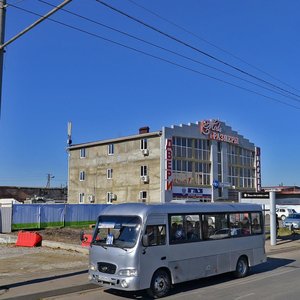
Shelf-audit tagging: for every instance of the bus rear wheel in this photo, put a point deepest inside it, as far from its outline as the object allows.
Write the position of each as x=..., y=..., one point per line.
x=242, y=267
x=160, y=284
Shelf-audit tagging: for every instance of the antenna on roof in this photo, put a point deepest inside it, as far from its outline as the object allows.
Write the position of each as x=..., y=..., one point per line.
x=69, y=141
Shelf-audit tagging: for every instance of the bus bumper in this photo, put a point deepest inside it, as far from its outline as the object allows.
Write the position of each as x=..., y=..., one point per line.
x=114, y=281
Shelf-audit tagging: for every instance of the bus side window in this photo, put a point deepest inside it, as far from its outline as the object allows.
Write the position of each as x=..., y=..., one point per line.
x=156, y=234
x=256, y=226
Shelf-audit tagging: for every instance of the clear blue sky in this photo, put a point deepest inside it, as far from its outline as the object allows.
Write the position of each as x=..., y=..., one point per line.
x=55, y=74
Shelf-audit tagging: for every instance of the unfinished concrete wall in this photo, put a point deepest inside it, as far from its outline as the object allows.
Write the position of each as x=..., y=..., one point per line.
x=126, y=182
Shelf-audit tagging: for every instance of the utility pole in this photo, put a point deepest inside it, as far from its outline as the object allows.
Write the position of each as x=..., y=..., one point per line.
x=2, y=30
x=49, y=177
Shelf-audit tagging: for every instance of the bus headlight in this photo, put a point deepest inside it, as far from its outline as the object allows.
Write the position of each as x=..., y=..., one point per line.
x=128, y=272
x=92, y=267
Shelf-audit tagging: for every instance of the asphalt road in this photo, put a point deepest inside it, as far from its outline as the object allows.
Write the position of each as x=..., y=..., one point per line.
x=45, y=273
x=278, y=278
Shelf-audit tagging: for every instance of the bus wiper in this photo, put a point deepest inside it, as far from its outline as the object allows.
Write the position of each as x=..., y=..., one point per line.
x=117, y=244
x=97, y=242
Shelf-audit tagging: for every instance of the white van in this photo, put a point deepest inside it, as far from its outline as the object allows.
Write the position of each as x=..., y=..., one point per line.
x=284, y=212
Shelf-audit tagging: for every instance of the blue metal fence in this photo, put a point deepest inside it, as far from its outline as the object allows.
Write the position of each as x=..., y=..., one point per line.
x=34, y=216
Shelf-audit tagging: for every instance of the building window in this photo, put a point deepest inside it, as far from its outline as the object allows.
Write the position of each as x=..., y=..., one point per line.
x=110, y=197
x=81, y=198
x=241, y=171
x=182, y=147
x=144, y=144
x=202, y=150
x=202, y=173
x=110, y=149
x=143, y=196
x=82, y=175
x=144, y=171
x=82, y=153
x=109, y=173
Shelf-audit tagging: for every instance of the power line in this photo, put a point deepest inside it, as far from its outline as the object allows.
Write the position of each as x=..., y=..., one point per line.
x=210, y=43
x=168, y=50
x=191, y=46
x=159, y=58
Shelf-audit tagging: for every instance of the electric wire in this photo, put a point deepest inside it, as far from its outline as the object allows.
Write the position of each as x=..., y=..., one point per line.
x=210, y=43
x=191, y=46
x=158, y=58
x=168, y=50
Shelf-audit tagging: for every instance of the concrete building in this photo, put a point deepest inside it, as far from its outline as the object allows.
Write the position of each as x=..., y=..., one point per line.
x=203, y=161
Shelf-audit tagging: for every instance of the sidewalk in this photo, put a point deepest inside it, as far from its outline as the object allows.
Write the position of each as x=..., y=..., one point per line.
x=285, y=243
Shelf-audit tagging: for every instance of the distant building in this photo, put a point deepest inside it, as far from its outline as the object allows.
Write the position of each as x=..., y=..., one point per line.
x=286, y=194
x=22, y=194
x=280, y=189
x=203, y=161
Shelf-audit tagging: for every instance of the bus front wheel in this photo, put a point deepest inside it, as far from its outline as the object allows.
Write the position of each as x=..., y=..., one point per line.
x=160, y=284
x=242, y=267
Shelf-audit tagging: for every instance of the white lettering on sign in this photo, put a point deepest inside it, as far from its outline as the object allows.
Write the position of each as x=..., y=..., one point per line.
x=168, y=166
x=212, y=128
x=207, y=126
x=257, y=169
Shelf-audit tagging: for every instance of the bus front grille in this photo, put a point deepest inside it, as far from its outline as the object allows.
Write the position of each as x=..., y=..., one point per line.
x=106, y=268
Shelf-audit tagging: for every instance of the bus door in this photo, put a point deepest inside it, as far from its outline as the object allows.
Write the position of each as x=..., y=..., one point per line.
x=153, y=251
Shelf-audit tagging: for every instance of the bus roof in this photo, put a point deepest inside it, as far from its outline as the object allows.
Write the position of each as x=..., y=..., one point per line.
x=142, y=209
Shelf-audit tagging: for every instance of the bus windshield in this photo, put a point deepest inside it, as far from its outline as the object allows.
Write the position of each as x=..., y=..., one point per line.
x=117, y=231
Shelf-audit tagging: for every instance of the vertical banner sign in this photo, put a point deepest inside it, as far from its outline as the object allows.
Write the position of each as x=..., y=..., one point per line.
x=168, y=165
x=257, y=169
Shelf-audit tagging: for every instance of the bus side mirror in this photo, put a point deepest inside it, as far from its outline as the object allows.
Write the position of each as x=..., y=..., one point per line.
x=145, y=240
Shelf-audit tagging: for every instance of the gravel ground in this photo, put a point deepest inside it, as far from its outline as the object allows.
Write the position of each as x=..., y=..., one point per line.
x=20, y=261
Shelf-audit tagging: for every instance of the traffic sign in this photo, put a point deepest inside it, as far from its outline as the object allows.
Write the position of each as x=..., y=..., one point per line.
x=215, y=184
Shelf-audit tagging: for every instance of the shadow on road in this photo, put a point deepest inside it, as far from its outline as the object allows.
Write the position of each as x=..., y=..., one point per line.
x=288, y=238
x=39, y=280
x=270, y=265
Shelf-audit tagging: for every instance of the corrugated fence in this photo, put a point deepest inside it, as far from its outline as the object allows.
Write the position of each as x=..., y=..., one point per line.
x=35, y=216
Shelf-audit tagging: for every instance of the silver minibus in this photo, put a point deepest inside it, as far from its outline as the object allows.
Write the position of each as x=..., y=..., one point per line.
x=139, y=246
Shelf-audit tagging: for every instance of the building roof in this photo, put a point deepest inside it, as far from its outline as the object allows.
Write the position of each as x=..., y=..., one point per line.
x=116, y=140
x=294, y=189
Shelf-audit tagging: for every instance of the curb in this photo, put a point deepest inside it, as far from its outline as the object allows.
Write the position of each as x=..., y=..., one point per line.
x=64, y=246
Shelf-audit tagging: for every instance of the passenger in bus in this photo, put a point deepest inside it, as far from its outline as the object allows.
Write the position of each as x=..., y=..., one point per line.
x=245, y=226
x=173, y=231
x=256, y=228
x=205, y=230
x=191, y=235
x=197, y=228
x=179, y=235
x=150, y=234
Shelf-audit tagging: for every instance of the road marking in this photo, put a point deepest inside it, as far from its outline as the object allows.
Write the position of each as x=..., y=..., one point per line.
x=236, y=282
x=249, y=280
x=244, y=296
